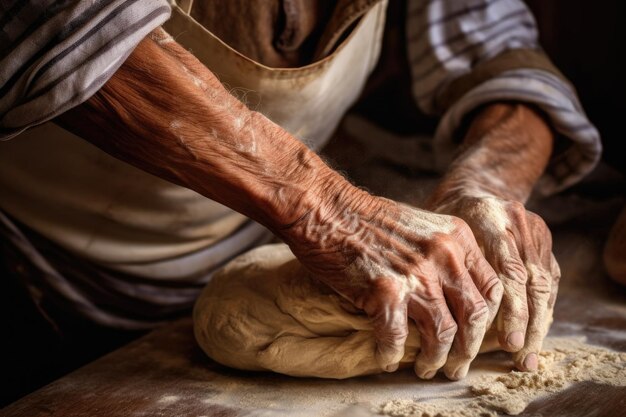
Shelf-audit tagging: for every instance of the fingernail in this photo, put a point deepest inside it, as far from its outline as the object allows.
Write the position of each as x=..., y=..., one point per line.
x=461, y=372
x=531, y=362
x=515, y=340
x=392, y=368
x=429, y=374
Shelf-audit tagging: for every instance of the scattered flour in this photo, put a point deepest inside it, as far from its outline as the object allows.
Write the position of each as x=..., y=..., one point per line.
x=263, y=312
x=564, y=361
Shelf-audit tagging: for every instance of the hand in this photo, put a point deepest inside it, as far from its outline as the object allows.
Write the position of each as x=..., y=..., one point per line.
x=518, y=245
x=394, y=261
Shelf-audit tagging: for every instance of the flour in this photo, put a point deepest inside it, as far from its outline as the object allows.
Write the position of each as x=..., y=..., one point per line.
x=264, y=312
x=563, y=362
x=423, y=223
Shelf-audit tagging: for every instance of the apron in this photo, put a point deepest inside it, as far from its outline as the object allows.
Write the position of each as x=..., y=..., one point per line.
x=77, y=199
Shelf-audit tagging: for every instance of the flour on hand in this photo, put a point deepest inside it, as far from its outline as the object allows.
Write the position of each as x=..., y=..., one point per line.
x=264, y=311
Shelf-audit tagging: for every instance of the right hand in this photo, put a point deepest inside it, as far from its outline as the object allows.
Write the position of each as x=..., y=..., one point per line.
x=394, y=261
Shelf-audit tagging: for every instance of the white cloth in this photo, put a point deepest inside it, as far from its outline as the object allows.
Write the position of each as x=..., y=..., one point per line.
x=129, y=222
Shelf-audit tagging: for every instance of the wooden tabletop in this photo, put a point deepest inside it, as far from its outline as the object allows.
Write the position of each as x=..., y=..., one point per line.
x=165, y=374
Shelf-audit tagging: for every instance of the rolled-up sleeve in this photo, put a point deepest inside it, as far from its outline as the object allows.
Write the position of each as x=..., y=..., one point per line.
x=467, y=53
x=54, y=55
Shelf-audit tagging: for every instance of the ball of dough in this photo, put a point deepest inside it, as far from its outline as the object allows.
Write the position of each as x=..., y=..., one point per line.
x=264, y=312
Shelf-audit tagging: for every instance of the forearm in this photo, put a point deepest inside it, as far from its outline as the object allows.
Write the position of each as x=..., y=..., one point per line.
x=167, y=114
x=504, y=152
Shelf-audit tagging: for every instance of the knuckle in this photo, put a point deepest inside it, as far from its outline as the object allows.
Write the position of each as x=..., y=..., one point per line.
x=428, y=293
x=517, y=209
x=445, y=334
x=520, y=313
x=514, y=272
x=535, y=221
x=555, y=272
x=491, y=285
x=541, y=235
x=494, y=289
x=385, y=311
x=391, y=338
x=462, y=228
x=477, y=206
x=479, y=316
x=556, y=278
x=540, y=287
x=446, y=247
x=386, y=290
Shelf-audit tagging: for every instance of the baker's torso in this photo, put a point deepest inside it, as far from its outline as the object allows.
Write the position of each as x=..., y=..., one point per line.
x=112, y=214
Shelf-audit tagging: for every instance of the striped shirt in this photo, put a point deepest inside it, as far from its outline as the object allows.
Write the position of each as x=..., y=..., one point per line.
x=55, y=54
x=449, y=42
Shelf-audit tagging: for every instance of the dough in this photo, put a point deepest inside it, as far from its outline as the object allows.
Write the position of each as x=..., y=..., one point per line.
x=264, y=312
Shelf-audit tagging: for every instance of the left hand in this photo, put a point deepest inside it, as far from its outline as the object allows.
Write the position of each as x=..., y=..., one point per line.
x=518, y=245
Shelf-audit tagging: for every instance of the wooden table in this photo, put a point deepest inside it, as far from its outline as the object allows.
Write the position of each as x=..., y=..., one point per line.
x=165, y=374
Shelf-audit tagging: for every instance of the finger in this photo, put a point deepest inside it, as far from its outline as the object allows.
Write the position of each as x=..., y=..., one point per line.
x=482, y=274
x=543, y=242
x=390, y=332
x=488, y=284
x=555, y=273
x=436, y=327
x=542, y=271
x=539, y=290
x=471, y=314
x=512, y=319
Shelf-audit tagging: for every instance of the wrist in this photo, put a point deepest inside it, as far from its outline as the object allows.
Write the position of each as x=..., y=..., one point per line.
x=325, y=211
x=298, y=184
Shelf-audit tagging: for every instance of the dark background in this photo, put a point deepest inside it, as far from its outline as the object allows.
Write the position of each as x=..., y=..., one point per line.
x=585, y=39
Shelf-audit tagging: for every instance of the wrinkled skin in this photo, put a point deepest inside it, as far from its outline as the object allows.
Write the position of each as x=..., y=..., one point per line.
x=506, y=151
x=518, y=245
x=394, y=261
x=390, y=260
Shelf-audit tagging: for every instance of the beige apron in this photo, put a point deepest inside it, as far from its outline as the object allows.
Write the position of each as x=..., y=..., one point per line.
x=120, y=217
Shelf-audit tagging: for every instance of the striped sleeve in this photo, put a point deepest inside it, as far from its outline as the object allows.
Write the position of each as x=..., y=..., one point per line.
x=55, y=54
x=466, y=53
